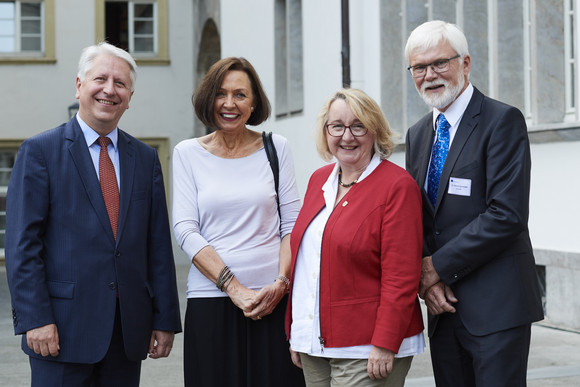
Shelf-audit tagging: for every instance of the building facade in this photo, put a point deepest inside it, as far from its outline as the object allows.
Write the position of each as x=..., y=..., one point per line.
x=524, y=52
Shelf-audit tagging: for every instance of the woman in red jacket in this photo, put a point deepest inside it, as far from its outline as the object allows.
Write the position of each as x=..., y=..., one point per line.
x=354, y=317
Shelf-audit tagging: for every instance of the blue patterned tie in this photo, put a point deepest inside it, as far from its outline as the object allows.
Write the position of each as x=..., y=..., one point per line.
x=438, y=156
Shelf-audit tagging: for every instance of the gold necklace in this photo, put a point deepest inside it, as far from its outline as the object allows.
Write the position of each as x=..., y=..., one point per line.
x=340, y=181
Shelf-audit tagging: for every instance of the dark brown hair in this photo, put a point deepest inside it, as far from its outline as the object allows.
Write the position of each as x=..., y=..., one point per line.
x=204, y=98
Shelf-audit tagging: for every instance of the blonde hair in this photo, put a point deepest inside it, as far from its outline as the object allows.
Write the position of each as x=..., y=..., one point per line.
x=367, y=111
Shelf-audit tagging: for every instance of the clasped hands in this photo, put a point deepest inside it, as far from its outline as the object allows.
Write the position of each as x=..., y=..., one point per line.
x=256, y=304
x=439, y=298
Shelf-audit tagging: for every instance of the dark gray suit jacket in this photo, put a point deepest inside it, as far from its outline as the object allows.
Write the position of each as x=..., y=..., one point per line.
x=480, y=242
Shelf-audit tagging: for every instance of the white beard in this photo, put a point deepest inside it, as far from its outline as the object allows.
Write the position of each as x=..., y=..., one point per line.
x=449, y=94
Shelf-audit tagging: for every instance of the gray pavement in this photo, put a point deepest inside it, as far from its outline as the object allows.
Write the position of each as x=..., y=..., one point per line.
x=554, y=355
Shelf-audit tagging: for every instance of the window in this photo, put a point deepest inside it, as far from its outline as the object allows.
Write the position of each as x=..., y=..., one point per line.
x=26, y=30
x=138, y=26
x=7, y=158
x=570, y=55
x=288, y=51
x=20, y=27
x=529, y=42
x=131, y=26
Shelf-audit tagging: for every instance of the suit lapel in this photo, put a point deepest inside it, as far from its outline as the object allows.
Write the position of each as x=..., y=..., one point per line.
x=81, y=157
x=426, y=136
x=467, y=125
x=425, y=150
x=127, y=165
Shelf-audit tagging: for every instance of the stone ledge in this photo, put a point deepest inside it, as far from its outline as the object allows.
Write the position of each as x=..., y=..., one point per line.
x=554, y=135
x=568, y=260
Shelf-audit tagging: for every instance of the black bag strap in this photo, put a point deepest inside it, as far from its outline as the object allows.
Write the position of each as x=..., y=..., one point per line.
x=273, y=160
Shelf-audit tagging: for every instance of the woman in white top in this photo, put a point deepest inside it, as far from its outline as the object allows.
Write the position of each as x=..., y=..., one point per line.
x=226, y=219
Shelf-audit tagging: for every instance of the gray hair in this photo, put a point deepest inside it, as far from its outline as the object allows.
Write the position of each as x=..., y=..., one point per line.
x=89, y=54
x=429, y=34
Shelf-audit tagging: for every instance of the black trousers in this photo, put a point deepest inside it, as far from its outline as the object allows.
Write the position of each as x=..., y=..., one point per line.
x=114, y=370
x=499, y=359
x=224, y=348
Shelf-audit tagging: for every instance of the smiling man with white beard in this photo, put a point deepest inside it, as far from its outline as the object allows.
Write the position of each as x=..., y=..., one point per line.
x=471, y=158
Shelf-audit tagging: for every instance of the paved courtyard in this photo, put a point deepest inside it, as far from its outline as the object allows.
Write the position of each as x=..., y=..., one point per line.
x=554, y=356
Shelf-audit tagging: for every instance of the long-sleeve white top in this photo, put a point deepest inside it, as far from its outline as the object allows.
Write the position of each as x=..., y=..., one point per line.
x=230, y=204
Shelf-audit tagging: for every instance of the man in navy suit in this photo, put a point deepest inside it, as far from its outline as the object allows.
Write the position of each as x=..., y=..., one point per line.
x=471, y=158
x=93, y=291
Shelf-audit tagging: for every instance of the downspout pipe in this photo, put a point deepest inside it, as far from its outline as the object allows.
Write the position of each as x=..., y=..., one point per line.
x=345, y=53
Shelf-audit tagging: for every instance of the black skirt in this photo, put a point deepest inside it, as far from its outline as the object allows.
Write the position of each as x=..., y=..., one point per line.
x=222, y=347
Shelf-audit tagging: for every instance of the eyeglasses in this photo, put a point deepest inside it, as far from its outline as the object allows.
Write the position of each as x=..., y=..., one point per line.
x=338, y=129
x=439, y=66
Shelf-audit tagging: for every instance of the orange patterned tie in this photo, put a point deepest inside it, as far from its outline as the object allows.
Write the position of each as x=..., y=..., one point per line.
x=109, y=183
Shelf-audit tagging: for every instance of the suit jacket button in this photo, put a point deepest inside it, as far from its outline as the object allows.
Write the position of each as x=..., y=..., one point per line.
x=112, y=286
x=437, y=232
x=117, y=253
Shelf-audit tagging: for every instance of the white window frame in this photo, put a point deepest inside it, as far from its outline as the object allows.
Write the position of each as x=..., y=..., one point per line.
x=492, y=43
x=571, y=59
x=131, y=26
x=528, y=36
x=3, y=190
x=289, y=75
x=18, y=30
x=160, y=55
x=133, y=35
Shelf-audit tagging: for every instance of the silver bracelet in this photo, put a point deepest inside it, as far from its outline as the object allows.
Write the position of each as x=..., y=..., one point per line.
x=284, y=279
x=224, y=277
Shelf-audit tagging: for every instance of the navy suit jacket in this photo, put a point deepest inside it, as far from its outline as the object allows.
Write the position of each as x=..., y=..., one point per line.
x=480, y=242
x=62, y=261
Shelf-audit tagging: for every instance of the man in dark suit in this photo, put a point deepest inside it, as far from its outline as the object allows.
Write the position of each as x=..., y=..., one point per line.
x=471, y=158
x=90, y=268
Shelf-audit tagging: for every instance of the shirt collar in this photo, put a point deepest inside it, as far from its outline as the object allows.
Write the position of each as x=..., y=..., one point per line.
x=330, y=188
x=91, y=136
x=455, y=111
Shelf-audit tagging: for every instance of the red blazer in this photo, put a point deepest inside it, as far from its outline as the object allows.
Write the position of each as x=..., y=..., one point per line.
x=370, y=259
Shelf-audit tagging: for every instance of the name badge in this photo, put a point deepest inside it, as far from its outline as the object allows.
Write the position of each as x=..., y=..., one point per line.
x=461, y=187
